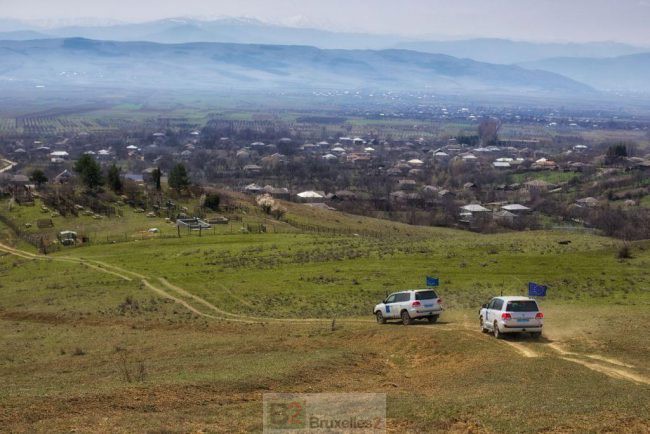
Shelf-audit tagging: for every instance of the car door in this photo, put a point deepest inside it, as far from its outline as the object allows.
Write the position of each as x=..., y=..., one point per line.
x=495, y=311
x=489, y=316
x=390, y=307
x=402, y=302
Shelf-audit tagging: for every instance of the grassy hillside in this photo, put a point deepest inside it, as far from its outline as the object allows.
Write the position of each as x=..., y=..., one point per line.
x=188, y=334
x=325, y=276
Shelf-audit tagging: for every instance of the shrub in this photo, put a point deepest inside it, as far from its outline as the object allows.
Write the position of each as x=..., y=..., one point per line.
x=624, y=252
x=38, y=177
x=132, y=371
x=212, y=201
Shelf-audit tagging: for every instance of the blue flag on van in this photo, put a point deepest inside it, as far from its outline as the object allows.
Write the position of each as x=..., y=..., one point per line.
x=433, y=281
x=535, y=290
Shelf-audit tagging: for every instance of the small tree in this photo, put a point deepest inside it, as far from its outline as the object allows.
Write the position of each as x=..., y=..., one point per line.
x=616, y=153
x=89, y=171
x=178, y=179
x=271, y=206
x=114, y=179
x=38, y=177
x=156, y=175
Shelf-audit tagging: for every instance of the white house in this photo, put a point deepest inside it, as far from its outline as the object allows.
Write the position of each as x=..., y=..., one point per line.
x=59, y=154
x=253, y=189
x=516, y=208
x=474, y=208
x=310, y=196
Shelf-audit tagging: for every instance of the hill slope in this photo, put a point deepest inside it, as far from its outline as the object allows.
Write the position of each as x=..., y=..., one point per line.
x=83, y=62
x=508, y=52
x=624, y=73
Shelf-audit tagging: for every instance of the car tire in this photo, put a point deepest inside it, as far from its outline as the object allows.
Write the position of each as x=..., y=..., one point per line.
x=483, y=329
x=406, y=318
x=497, y=333
x=432, y=319
x=536, y=335
x=380, y=318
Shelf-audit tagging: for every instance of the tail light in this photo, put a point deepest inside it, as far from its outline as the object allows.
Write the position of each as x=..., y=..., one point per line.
x=506, y=316
x=416, y=304
x=539, y=315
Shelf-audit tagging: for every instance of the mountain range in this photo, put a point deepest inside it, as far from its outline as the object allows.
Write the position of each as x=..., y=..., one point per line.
x=237, y=52
x=91, y=63
x=252, y=31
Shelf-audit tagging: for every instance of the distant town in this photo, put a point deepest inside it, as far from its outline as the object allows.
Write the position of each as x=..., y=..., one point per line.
x=521, y=172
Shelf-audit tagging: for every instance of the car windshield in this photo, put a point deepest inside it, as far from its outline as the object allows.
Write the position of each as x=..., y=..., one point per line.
x=425, y=295
x=522, y=306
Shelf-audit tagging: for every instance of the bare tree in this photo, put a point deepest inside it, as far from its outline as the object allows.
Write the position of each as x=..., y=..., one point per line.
x=488, y=131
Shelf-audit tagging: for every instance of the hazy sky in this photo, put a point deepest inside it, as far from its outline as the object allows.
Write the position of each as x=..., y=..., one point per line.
x=562, y=20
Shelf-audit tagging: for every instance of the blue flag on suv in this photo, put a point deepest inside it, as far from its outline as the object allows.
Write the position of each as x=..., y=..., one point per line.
x=535, y=290
x=433, y=281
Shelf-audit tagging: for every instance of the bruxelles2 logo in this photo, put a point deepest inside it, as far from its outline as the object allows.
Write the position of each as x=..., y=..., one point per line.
x=325, y=413
x=289, y=414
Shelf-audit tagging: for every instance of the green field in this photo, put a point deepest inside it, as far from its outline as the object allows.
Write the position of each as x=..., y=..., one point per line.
x=186, y=335
x=554, y=177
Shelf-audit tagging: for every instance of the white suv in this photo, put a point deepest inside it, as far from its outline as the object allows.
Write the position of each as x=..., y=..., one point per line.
x=511, y=315
x=409, y=305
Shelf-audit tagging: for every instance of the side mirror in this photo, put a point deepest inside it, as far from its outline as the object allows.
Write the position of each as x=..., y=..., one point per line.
x=484, y=306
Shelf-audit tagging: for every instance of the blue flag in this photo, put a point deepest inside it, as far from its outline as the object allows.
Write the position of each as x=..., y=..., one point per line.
x=535, y=290
x=433, y=281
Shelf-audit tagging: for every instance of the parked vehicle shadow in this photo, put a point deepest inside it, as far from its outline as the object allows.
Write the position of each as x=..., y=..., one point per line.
x=417, y=323
x=526, y=337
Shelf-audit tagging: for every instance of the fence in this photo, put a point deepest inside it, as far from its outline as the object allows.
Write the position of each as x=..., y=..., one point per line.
x=39, y=241
x=342, y=231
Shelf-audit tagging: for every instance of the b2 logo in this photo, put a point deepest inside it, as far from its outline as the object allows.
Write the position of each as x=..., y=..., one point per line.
x=286, y=415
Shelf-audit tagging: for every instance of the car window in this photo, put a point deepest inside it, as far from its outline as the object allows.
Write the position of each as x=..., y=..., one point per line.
x=404, y=296
x=491, y=303
x=498, y=304
x=522, y=306
x=426, y=295
x=390, y=299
